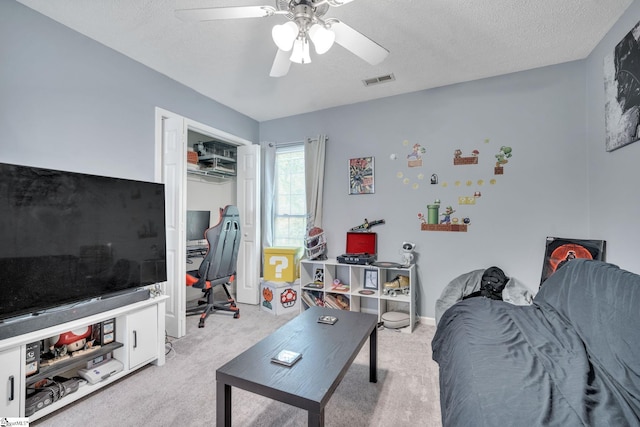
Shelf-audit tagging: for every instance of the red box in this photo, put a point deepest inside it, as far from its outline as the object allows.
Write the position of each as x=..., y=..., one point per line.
x=361, y=243
x=192, y=157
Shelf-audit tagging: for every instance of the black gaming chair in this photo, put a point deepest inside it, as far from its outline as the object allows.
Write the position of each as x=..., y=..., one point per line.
x=218, y=266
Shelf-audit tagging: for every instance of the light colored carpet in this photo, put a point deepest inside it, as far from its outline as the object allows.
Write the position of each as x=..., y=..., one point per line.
x=183, y=391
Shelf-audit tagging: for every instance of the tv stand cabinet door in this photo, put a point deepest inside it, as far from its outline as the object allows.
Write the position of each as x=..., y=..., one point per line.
x=143, y=336
x=11, y=391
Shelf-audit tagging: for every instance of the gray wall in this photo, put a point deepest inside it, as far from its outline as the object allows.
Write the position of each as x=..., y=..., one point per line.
x=614, y=206
x=68, y=102
x=543, y=192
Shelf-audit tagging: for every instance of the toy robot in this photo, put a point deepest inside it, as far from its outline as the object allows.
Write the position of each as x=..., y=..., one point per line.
x=407, y=253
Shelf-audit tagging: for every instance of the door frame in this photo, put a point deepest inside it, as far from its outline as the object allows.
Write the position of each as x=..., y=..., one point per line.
x=176, y=322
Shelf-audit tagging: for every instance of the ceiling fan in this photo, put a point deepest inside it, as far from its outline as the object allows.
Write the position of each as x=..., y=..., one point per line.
x=306, y=22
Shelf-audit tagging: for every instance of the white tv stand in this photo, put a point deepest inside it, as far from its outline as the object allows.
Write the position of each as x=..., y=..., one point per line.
x=140, y=333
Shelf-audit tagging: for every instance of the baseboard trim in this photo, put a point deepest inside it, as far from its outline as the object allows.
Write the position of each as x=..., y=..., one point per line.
x=430, y=321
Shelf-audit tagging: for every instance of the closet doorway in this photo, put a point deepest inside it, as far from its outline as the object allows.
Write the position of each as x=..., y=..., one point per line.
x=185, y=190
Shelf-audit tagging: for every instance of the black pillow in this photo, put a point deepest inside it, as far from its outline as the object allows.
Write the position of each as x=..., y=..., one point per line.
x=493, y=282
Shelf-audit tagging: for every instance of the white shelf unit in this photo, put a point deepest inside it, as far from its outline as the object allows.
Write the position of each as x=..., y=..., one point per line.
x=353, y=275
x=140, y=329
x=216, y=159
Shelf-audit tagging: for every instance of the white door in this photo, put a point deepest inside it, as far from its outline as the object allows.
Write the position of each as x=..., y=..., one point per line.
x=174, y=155
x=248, y=188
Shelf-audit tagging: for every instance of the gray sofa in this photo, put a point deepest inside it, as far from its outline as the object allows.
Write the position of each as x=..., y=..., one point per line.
x=571, y=358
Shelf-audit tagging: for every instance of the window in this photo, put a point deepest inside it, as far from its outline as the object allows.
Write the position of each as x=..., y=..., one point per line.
x=290, y=202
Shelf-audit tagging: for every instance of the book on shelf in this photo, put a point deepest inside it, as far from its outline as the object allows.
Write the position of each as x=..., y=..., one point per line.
x=314, y=285
x=340, y=287
x=286, y=357
x=338, y=301
x=311, y=299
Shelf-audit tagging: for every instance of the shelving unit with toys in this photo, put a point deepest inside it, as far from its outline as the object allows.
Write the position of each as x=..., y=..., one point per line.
x=331, y=284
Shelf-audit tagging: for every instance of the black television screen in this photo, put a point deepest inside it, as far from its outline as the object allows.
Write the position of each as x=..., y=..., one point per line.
x=197, y=224
x=67, y=237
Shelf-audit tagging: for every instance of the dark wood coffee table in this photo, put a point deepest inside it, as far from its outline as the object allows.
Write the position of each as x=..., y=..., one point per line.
x=327, y=352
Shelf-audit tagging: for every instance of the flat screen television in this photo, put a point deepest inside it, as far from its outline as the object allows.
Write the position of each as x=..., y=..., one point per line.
x=197, y=224
x=69, y=237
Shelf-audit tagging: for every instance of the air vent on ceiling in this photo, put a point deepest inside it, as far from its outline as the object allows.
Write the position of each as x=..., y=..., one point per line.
x=378, y=80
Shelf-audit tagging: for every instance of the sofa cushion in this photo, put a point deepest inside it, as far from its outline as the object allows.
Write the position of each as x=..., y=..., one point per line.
x=602, y=304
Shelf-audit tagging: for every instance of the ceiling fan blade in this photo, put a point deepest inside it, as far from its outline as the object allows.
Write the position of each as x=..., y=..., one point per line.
x=281, y=64
x=214, y=13
x=359, y=44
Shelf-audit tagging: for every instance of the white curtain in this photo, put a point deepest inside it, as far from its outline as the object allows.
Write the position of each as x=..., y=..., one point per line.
x=268, y=157
x=314, y=151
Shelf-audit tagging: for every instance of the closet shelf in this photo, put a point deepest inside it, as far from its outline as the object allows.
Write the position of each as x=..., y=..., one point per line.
x=211, y=173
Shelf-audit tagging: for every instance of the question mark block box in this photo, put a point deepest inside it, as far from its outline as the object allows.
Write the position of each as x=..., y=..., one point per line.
x=281, y=264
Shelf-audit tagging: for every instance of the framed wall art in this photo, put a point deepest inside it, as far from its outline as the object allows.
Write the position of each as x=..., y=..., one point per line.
x=622, y=92
x=559, y=251
x=371, y=279
x=361, y=179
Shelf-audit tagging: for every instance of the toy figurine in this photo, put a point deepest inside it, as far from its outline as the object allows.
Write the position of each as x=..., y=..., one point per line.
x=77, y=339
x=407, y=253
x=366, y=225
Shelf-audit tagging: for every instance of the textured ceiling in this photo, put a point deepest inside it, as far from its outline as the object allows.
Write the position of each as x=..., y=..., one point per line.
x=432, y=43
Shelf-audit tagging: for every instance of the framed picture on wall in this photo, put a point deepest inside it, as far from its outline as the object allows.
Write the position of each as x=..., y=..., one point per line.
x=361, y=179
x=561, y=250
x=622, y=92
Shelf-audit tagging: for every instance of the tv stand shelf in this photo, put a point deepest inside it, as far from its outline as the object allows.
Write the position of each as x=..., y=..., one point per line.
x=139, y=340
x=71, y=363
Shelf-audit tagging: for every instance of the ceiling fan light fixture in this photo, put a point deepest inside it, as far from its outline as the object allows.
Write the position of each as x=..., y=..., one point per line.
x=284, y=35
x=300, y=51
x=322, y=38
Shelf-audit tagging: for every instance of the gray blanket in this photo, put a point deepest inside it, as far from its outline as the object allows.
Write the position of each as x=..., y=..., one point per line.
x=570, y=359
